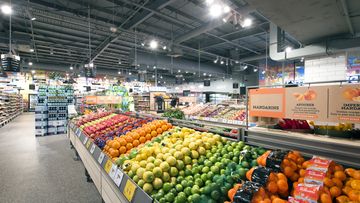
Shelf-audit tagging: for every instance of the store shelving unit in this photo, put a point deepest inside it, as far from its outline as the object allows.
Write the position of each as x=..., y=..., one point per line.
x=11, y=105
x=142, y=102
x=51, y=110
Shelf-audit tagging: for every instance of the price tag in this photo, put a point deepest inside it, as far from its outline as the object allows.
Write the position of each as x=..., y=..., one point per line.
x=92, y=148
x=113, y=171
x=129, y=190
x=85, y=140
x=79, y=133
x=101, y=157
x=108, y=165
x=118, y=177
x=88, y=144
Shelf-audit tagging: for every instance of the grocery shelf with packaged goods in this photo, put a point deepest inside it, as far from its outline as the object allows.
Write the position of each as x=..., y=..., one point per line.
x=11, y=105
x=181, y=162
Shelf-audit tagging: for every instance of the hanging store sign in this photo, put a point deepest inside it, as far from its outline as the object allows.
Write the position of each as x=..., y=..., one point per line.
x=267, y=102
x=344, y=103
x=103, y=99
x=308, y=103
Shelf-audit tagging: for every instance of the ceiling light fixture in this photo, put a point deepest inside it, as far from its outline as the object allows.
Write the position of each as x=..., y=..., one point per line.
x=154, y=67
x=161, y=77
x=179, y=71
x=33, y=18
x=226, y=9
x=67, y=74
x=153, y=76
x=236, y=61
x=263, y=72
x=78, y=75
x=6, y=9
x=227, y=62
x=247, y=22
x=71, y=68
x=129, y=73
x=142, y=44
x=119, y=73
x=217, y=59
x=210, y=75
x=215, y=10
x=204, y=74
x=255, y=69
x=32, y=50
x=288, y=49
x=221, y=62
x=164, y=47
x=33, y=71
x=153, y=44
x=30, y=63
x=186, y=71
x=245, y=67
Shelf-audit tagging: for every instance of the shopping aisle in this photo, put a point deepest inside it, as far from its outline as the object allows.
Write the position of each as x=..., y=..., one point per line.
x=40, y=169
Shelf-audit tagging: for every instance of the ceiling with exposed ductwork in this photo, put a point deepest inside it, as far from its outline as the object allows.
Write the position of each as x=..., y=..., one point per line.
x=58, y=30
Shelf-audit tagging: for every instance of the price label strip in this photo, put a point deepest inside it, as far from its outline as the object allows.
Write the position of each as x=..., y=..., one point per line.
x=85, y=140
x=129, y=190
x=92, y=148
x=107, y=166
x=88, y=144
x=79, y=133
x=118, y=177
x=113, y=171
x=101, y=158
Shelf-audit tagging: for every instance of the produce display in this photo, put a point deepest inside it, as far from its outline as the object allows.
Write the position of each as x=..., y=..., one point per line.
x=179, y=164
x=174, y=113
x=216, y=111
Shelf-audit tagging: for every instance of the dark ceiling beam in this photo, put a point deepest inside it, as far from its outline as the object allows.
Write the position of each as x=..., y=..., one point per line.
x=137, y=19
x=346, y=15
x=143, y=15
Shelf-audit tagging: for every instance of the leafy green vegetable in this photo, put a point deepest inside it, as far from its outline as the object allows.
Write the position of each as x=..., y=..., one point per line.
x=174, y=113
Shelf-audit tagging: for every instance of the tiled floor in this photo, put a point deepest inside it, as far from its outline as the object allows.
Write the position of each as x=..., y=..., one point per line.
x=40, y=169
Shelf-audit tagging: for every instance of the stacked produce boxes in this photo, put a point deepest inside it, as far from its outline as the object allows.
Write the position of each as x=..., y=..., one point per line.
x=51, y=110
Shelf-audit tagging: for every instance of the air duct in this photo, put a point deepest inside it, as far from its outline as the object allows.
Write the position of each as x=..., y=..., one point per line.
x=317, y=49
x=165, y=62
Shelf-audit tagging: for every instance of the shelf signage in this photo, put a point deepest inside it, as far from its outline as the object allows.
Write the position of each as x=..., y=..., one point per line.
x=92, y=149
x=101, y=158
x=129, y=190
x=108, y=166
x=307, y=103
x=344, y=103
x=118, y=177
x=113, y=171
x=88, y=144
x=103, y=99
x=85, y=140
x=267, y=102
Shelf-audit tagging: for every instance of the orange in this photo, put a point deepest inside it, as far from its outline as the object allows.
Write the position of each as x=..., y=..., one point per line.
x=346, y=190
x=169, y=125
x=286, y=162
x=337, y=182
x=294, y=177
x=325, y=198
x=142, y=139
x=342, y=199
x=114, y=153
x=115, y=144
x=129, y=139
x=356, y=175
x=283, y=186
x=164, y=127
x=136, y=143
x=153, y=133
x=301, y=180
x=281, y=176
x=272, y=187
x=272, y=177
x=288, y=171
x=153, y=127
x=278, y=200
x=335, y=191
x=122, y=141
x=159, y=130
x=135, y=136
x=148, y=137
x=302, y=172
x=158, y=125
x=147, y=130
x=328, y=182
x=340, y=175
x=122, y=149
x=306, y=164
x=300, y=160
x=129, y=146
x=354, y=195
x=339, y=167
x=106, y=147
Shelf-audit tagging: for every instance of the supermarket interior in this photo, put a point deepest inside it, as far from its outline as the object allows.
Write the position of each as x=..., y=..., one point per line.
x=161, y=101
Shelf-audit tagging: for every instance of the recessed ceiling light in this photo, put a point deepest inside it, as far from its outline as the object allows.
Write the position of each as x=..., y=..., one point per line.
x=255, y=69
x=247, y=22
x=154, y=67
x=6, y=9
x=179, y=71
x=221, y=62
x=204, y=74
x=226, y=9
x=67, y=74
x=161, y=77
x=129, y=73
x=164, y=47
x=215, y=10
x=119, y=72
x=32, y=50
x=30, y=63
x=33, y=18
x=33, y=71
x=153, y=76
x=288, y=49
x=153, y=44
x=71, y=68
x=78, y=75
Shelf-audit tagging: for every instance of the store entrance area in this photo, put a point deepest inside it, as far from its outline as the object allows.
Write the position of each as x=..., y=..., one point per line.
x=40, y=169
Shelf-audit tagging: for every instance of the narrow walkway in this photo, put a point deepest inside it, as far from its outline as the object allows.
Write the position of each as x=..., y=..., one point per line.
x=40, y=169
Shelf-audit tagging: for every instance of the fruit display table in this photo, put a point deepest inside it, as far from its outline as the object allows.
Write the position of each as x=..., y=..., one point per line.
x=112, y=183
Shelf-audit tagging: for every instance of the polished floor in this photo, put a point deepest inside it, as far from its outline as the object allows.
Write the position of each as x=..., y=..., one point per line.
x=40, y=169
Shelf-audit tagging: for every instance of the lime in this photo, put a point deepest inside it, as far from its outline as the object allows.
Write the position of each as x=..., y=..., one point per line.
x=207, y=189
x=179, y=179
x=141, y=183
x=169, y=197
x=196, y=176
x=208, y=182
x=171, y=161
x=210, y=175
x=205, y=169
x=131, y=174
x=157, y=172
x=187, y=191
x=179, y=188
x=166, y=187
x=196, y=197
x=204, y=177
x=199, y=182
x=157, y=162
x=194, y=154
x=215, y=169
x=173, y=171
x=242, y=172
x=188, y=172
x=135, y=178
x=245, y=164
x=187, y=160
x=180, y=164
x=148, y=176
x=215, y=194
x=181, y=197
x=140, y=172
x=150, y=159
x=150, y=166
x=195, y=189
